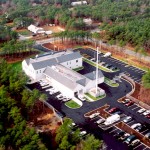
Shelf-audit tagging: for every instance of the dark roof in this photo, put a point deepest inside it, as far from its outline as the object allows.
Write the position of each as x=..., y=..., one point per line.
x=53, y=61
x=43, y=64
x=82, y=82
x=92, y=75
x=71, y=56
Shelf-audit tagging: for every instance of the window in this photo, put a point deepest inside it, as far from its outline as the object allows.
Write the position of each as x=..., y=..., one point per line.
x=37, y=72
x=40, y=71
x=70, y=62
x=76, y=60
x=67, y=63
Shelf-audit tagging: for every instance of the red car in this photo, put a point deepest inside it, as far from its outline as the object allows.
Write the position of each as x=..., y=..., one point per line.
x=148, y=116
x=113, y=110
x=129, y=103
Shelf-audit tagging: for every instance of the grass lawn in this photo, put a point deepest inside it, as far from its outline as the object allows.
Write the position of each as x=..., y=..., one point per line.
x=110, y=83
x=72, y=104
x=95, y=98
x=25, y=32
x=78, y=69
x=17, y=66
x=94, y=64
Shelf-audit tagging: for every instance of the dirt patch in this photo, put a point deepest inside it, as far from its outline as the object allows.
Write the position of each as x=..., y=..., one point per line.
x=54, y=29
x=43, y=119
x=59, y=46
x=141, y=94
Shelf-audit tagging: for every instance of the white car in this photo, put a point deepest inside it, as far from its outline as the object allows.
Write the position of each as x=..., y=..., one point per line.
x=83, y=133
x=127, y=119
x=100, y=121
x=135, y=125
x=135, y=142
x=141, y=110
x=94, y=115
x=146, y=112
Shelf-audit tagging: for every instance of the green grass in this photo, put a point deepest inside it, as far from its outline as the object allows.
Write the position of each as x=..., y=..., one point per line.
x=94, y=64
x=17, y=66
x=110, y=83
x=95, y=98
x=78, y=69
x=26, y=32
x=72, y=104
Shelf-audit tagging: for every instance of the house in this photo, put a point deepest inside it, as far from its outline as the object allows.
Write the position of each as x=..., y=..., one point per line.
x=79, y=3
x=57, y=69
x=35, y=29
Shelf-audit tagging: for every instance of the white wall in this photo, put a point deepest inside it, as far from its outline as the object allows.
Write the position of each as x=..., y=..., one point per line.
x=34, y=74
x=63, y=89
x=75, y=63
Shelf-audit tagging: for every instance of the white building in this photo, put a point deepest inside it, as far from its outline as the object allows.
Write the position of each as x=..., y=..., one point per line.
x=79, y=3
x=34, y=68
x=35, y=29
x=57, y=69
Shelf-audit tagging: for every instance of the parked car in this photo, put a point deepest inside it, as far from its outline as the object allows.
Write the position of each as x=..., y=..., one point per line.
x=129, y=103
x=94, y=115
x=139, y=128
x=147, y=112
x=82, y=133
x=124, y=137
x=113, y=109
x=126, y=101
x=100, y=121
x=117, y=112
x=141, y=110
x=135, y=142
x=148, y=116
x=135, y=125
x=130, y=139
x=119, y=134
x=127, y=119
x=147, y=135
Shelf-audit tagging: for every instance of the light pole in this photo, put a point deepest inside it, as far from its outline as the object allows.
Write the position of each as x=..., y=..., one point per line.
x=97, y=71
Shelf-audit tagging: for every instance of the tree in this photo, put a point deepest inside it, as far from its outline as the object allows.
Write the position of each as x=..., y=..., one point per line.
x=146, y=80
x=90, y=143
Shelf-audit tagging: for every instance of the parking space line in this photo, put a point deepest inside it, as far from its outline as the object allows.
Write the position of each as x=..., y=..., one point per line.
x=135, y=108
x=130, y=122
x=145, y=131
x=113, y=130
x=138, y=146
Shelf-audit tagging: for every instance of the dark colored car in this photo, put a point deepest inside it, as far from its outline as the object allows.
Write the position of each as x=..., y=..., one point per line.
x=119, y=134
x=139, y=128
x=130, y=139
x=148, y=116
x=129, y=103
x=112, y=110
x=117, y=112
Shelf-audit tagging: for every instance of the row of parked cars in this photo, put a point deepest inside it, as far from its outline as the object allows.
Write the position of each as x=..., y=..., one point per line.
x=143, y=111
x=53, y=90
x=109, y=66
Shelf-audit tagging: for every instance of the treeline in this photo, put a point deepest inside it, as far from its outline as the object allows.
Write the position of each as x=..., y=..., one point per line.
x=13, y=48
x=15, y=104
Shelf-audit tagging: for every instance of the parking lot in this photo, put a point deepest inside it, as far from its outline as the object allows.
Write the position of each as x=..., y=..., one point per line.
x=132, y=71
x=112, y=95
x=99, y=117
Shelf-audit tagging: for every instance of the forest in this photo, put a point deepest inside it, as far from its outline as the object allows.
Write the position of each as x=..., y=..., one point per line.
x=124, y=22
